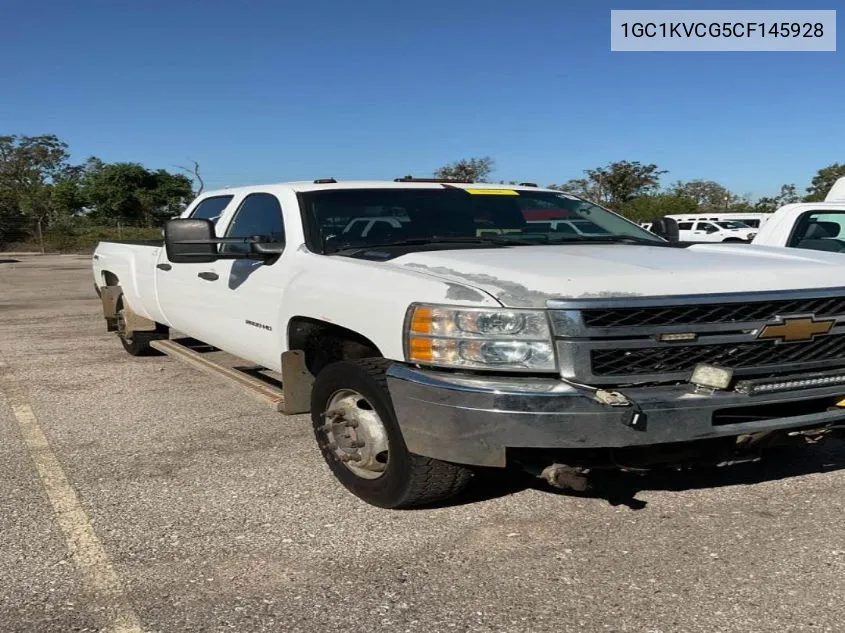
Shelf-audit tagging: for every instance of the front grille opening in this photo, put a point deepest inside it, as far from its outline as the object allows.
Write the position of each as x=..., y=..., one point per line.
x=681, y=358
x=756, y=413
x=700, y=314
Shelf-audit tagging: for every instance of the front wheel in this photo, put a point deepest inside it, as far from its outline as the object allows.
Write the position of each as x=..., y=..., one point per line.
x=359, y=437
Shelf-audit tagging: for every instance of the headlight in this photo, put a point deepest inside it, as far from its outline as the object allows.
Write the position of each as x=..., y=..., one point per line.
x=479, y=338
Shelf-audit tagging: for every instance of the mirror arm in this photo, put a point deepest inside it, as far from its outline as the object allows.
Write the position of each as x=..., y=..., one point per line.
x=215, y=240
x=267, y=249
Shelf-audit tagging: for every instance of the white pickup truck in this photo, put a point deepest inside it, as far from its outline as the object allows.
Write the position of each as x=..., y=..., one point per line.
x=698, y=229
x=462, y=337
x=809, y=225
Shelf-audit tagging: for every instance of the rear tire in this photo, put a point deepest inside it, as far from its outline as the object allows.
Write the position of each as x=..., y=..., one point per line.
x=360, y=409
x=139, y=343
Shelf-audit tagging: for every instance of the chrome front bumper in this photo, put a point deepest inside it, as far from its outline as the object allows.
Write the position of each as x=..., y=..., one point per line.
x=474, y=420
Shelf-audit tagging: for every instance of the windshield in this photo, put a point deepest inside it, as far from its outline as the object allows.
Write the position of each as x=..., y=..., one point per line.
x=343, y=218
x=733, y=224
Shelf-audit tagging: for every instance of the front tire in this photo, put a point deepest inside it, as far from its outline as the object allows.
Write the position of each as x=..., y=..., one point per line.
x=360, y=439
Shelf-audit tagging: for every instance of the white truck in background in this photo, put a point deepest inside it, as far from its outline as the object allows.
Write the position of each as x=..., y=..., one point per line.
x=718, y=227
x=694, y=228
x=463, y=337
x=809, y=225
x=753, y=219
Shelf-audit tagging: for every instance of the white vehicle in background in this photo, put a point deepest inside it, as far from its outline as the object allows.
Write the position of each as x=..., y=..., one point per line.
x=694, y=229
x=816, y=226
x=754, y=220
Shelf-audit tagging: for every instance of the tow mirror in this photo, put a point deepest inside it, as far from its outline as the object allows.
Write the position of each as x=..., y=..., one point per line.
x=190, y=241
x=667, y=228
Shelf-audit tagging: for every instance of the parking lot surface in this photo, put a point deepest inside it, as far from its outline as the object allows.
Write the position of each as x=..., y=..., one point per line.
x=138, y=494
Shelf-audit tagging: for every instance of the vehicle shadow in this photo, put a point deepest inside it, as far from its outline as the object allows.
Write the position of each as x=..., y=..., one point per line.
x=617, y=487
x=10, y=261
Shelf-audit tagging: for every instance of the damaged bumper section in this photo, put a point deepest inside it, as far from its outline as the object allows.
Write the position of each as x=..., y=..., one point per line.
x=475, y=420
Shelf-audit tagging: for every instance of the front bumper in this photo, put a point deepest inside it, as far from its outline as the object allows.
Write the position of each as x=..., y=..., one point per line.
x=474, y=420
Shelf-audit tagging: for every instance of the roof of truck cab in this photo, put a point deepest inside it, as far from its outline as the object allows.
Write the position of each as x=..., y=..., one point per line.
x=310, y=185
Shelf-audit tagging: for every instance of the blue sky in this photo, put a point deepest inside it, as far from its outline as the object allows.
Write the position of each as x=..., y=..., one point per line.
x=269, y=91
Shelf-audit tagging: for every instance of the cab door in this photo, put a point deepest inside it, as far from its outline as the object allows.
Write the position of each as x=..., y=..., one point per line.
x=180, y=290
x=245, y=294
x=706, y=232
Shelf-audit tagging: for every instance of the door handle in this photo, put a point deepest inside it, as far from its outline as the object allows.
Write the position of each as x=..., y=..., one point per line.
x=208, y=276
x=164, y=266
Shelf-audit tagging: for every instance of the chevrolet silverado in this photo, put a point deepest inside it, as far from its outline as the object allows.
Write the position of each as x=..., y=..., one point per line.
x=457, y=334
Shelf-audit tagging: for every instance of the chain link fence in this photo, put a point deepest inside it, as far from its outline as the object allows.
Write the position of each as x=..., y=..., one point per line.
x=68, y=235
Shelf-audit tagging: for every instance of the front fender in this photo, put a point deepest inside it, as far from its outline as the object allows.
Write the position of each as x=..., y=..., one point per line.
x=369, y=298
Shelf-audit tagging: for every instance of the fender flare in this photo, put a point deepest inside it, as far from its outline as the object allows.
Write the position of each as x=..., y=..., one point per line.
x=112, y=297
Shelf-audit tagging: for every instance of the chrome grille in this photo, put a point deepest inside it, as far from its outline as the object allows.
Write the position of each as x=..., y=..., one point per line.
x=617, y=340
x=711, y=313
x=683, y=358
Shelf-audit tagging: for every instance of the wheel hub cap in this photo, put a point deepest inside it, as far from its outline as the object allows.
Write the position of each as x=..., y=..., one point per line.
x=355, y=434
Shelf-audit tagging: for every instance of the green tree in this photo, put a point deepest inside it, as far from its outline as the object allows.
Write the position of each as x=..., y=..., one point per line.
x=468, y=170
x=580, y=187
x=647, y=208
x=132, y=194
x=769, y=204
x=823, y=181
x=616, y=183
x=30, y=166
x=66, y=198
x=708, y=195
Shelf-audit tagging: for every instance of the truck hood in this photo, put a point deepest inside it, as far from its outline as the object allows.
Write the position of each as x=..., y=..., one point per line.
x=528, y=276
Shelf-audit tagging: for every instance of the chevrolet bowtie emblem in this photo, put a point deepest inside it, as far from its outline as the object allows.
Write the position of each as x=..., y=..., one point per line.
x=794, y=329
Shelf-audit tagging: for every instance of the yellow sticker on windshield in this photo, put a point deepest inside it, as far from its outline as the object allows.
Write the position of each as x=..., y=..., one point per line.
x=492, y=192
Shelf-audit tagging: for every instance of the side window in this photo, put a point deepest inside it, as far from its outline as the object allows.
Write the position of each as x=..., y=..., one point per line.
x=817, y=226
x=211, y=208
x=260, y=214
x=685, y=226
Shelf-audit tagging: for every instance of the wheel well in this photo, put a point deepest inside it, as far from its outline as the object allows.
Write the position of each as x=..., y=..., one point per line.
x=110, y=278
x=325, y=343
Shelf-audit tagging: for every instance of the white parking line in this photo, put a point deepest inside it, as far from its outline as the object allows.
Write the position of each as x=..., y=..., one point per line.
x=86, y=550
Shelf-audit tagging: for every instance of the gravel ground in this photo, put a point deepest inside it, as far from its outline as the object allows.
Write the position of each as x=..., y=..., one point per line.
x=217, y=514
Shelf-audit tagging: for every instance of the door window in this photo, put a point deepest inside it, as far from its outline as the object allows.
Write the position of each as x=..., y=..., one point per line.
x=260, y=215
x=211, y=208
